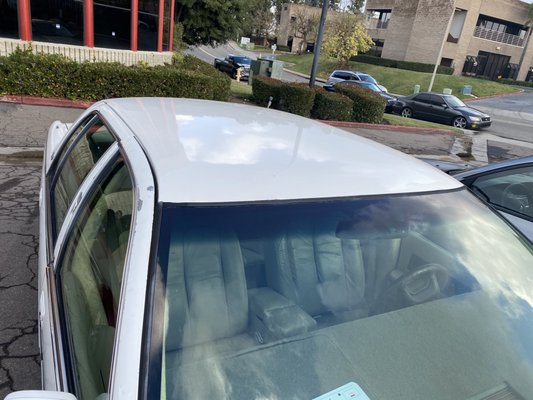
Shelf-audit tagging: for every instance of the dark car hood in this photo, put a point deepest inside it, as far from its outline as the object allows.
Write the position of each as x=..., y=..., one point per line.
x=387, y=96
x=471, y=112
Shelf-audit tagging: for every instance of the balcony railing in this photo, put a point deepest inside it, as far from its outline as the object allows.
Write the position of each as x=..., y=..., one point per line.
x=496, y=36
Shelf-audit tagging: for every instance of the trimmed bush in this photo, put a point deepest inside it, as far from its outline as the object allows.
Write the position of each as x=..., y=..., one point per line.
x=332, y=106
x=296, y=98
x=263, y=87
x=517, y=83
x=25, y=73
x=368, y=106
x=409, y=65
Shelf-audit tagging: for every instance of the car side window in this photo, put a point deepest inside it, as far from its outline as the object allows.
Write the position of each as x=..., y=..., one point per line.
x=74, y=136
x=80, y=158
x=437, y=100
x=424, y=98
x=512, y=190
x=90, y=277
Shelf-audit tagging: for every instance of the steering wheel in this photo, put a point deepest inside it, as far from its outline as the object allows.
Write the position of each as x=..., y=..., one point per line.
x=423, y=284
x=517, y=197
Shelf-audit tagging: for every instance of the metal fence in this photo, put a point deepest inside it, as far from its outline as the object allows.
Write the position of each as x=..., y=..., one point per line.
x=81, y=53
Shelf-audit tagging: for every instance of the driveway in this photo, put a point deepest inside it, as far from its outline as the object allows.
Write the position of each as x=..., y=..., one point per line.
x=208, y=54
x=512, y=115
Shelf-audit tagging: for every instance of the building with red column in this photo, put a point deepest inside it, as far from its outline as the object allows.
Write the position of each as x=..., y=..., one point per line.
x=136, y=25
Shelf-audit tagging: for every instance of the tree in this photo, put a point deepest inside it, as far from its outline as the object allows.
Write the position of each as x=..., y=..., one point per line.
x=210, y=21
x=345, y=37
x=304, y=24
x=355, y=6
x=529, y=25
x=258, y=19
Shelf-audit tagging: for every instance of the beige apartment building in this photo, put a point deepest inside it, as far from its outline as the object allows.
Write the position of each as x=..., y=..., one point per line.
x=486, y=37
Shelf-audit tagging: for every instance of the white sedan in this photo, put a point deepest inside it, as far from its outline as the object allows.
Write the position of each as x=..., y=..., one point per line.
x=202, y=250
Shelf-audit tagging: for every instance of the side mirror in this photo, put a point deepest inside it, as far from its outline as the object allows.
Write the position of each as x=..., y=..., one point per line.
x=39, y=395
x=445, y=106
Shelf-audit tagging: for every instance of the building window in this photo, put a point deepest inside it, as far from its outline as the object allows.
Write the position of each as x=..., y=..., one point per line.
x=9, y=26
x=446, y=62
x=377, y=48
x=148, y=25
x=57, y=22
x=378, y=19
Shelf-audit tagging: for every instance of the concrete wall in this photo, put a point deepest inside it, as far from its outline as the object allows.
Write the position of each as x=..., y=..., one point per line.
x=81, y=53
x=429, y=28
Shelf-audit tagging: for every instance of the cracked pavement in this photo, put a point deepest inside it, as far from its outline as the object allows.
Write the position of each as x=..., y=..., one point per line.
x=27, y=126
x=19, y=208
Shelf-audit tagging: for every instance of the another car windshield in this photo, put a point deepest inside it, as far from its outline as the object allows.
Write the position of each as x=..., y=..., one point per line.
x=367, y=78
x=242, y=60
x=454, y=102
x=371, y=86
x=427, y=295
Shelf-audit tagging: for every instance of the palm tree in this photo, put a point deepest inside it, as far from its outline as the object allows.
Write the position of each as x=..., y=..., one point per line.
x=529, y=25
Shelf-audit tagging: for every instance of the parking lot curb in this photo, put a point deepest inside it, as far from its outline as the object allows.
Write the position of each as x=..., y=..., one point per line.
x=396, y=128
x=494, y=96
x=43, y=101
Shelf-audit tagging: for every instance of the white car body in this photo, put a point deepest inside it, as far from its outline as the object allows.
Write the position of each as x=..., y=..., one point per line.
x=199, y=152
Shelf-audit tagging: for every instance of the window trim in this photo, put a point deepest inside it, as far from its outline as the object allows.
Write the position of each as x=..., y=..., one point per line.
x=86, y=191
x=53, y=232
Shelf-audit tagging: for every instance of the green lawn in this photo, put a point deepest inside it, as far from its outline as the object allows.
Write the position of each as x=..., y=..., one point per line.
x=397, y=120
x=240, y=91
x=399, y=81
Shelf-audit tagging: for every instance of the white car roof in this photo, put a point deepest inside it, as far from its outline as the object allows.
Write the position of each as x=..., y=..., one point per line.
x=211, y=152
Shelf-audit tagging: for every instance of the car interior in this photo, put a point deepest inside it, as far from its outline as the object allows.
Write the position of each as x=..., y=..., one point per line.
x=247, y=288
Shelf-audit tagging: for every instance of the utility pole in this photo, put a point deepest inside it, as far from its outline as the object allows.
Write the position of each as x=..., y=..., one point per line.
x=442, y=46
x=318, y=43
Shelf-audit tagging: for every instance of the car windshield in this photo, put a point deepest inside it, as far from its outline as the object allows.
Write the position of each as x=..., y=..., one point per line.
x=454, y=102
x=426, y=295
x=242, y=60
x=367, y=78
x=371, y=86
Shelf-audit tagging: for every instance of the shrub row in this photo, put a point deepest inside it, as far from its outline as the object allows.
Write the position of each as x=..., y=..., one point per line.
x=517, y=83
x=348, y=104
x=44, y=75
x=368, y=106
x=409, y=65
x=332, y=106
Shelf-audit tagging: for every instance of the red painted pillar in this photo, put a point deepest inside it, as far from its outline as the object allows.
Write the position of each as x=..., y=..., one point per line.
x=88, y=22
x=134, y=24
x=24, y=19
x=160, y=26
x=171, y=27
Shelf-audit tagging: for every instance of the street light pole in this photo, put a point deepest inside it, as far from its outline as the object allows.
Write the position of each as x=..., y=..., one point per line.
x=442, y=47
x=318, y=44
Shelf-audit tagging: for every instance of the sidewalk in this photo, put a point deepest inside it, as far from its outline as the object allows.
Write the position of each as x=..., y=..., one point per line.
x=23, y=130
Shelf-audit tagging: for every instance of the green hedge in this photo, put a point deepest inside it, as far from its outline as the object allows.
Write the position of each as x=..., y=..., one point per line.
x=24, y=73
x=517, y=83
x=368, y=106
x=296, y=98
x=263, y=88
x=409, y=65
x=332, y=106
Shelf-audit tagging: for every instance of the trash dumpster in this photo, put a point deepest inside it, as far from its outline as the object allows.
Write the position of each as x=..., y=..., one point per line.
x=266, y=67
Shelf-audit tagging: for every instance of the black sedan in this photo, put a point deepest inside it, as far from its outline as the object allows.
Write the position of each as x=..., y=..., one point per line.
x=367, y=85
x=441, y=108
